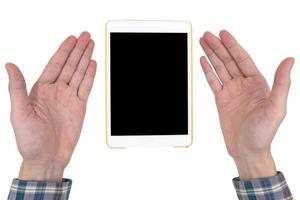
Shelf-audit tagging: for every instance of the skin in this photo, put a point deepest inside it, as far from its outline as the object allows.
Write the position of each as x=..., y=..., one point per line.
x=249, y=112
x=47, y=123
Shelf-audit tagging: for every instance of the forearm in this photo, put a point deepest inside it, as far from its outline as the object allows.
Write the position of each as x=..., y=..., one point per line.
x=42, y=182
x=253, y=166
x=37, y=172
x=258, y=179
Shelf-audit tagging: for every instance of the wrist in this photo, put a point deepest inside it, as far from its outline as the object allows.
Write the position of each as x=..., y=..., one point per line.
x=36, y=172
x=254, y=166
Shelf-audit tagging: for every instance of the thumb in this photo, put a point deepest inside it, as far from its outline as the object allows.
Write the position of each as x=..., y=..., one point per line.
x=282, y=82
x=17, y=88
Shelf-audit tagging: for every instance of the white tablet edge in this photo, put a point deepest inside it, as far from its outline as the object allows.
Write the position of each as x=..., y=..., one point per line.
x=152, y=140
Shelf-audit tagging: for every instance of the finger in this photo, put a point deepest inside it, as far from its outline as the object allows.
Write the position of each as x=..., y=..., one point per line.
x=74, y=58
x=282, y=81
x=239, y=54
x=56, y=63
x=17, y=88
x=211, y=77
x=215, y=61
x=87, y=82
x=221, y=52
x=83, y=64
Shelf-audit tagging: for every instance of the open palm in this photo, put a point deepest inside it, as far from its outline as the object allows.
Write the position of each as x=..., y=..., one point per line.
x=250, y=113
x=48, y=122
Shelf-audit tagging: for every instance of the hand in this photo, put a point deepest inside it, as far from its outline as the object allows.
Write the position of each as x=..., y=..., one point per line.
x=47, y=122
x=250, y=113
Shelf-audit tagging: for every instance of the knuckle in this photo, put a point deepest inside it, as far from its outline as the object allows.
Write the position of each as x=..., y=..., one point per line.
x=64, y=52
x=233, y=46
x=81, y=71
x=72, y=64
x=55, y=63
x=211, y=81
x=86, y=56
x=86, y=88
x=218, y=67
x=217, y=48
x=227, y=59
x=241, y=59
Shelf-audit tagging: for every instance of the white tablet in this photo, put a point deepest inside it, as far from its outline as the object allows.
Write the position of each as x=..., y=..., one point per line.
x=148, y=83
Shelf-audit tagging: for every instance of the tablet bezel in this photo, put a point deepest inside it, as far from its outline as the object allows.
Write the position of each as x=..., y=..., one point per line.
x=151, y=140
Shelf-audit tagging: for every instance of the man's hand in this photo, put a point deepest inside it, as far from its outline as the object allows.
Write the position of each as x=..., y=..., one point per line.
x=47, y=122
x=250, y=113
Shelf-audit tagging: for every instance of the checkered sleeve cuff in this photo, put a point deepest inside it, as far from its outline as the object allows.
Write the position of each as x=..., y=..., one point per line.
x=30, y=190
x=271, y=188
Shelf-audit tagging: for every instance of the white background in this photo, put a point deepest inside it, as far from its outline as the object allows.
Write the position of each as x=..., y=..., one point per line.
x=30, y=32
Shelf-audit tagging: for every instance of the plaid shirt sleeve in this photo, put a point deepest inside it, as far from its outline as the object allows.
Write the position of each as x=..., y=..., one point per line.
x=271, y=188
x=33, y=190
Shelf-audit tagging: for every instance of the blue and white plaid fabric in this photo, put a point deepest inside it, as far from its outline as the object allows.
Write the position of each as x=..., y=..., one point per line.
x=39, y=190
x=272, y=188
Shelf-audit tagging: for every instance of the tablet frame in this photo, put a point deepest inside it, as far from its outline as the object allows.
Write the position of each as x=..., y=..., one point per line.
x=159, y=26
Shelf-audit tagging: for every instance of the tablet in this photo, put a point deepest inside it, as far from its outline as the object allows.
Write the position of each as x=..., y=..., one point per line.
x=148, y=83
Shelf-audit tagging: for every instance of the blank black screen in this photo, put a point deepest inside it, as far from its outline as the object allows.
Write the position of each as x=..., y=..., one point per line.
x=149, y=84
